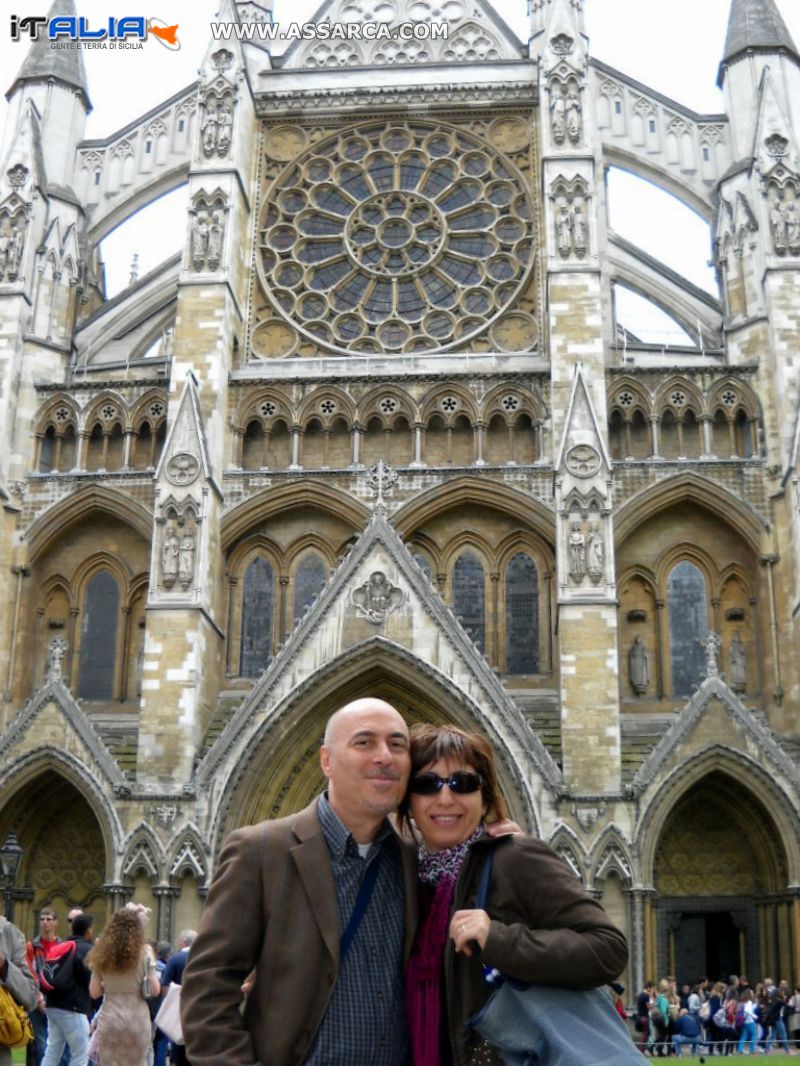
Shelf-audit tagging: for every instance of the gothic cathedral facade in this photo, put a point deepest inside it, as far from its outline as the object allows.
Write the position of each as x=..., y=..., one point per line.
x=375, y=431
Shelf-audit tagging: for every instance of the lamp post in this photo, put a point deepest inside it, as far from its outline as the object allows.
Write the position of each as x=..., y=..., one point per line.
x=10, y=860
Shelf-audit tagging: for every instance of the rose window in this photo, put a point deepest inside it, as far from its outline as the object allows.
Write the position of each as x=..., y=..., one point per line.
x=395, y=238
x=729, y=398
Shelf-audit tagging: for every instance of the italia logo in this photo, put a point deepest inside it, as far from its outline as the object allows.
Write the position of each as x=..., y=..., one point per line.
x=77, y=28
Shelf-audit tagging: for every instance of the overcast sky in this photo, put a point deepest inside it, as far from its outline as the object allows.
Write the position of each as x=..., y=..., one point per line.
x=673, y=46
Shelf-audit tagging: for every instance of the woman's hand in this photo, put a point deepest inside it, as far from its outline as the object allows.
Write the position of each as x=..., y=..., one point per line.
x=502, y=829
x=469, y=926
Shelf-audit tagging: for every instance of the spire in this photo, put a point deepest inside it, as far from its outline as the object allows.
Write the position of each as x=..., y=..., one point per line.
x=756, y=24
x=61, y=64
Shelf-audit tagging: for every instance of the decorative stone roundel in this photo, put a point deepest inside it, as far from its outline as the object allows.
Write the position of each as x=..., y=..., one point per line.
x=583, y=460
x=182, y=469
x=398, y=238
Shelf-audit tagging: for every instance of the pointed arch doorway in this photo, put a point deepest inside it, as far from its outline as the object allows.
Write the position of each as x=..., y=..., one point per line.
x=65, y=848
x=280, y=773
x=720, y=874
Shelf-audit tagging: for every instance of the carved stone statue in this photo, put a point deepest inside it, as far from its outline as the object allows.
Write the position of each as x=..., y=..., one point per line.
x=577, y=552
x=215, y=234
x=225, y=128
x=186, y=561
x=170, y=551
x=56, y=650
x=15, y=248
x=777, y=225
x=639, y=667
x=578, y=232
x=209, y=129
x=564, y=231
x=557, y=117
x=199, y=241
x=573, y=116
x=5, y=248
x=791, y=219
x=595, y=554
x=737, y=664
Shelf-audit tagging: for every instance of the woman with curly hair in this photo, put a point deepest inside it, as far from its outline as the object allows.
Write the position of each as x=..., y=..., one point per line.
x=123, y=971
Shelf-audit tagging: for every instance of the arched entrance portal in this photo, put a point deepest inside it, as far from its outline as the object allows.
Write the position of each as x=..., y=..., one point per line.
x=281, y=771
x=64, y=853
x=721, y=876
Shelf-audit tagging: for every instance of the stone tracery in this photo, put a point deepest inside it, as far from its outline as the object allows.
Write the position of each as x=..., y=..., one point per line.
x=406, y=238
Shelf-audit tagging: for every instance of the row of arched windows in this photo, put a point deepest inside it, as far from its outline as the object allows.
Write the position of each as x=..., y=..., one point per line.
x=102, y=621
x=728, y=434
x=103, y=446
x=339, y=445
x=468, y=596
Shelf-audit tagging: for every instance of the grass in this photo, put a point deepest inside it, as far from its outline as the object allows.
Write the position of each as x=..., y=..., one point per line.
x=773, y=1060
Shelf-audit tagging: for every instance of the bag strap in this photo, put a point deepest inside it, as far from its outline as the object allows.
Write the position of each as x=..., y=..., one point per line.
x=360, y=907
x=484, y=885
x=491, y=975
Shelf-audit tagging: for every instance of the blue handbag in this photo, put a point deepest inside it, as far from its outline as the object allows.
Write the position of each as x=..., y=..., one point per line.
x=540, y=1025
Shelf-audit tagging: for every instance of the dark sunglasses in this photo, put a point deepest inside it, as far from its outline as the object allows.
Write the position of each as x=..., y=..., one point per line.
x=462, y=782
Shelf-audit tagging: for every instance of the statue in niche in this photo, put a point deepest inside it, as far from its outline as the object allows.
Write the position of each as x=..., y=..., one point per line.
x=737, y=664
x=564, y=231
x=595, y=554
x=578, y=232
x=557, y=117
x=170, y=551
x=56, y=650
x=577, y=552
x=199, y=241
x=5, y=247
x=208, y=129
x=777, y=225
x=224, y=128
x=639, y=667
x=186, y=561
x=572, y=105
x=15, y=248
x=215, y=233
x=791, y=221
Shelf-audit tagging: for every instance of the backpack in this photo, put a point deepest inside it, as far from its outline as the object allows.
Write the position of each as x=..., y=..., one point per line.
x=15, y=1025
x=57, y=972
x=720, y=1018
x=704, y=1014
x=739, y=1016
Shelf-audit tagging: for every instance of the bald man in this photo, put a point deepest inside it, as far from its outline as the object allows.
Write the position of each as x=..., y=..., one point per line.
x=322, y=905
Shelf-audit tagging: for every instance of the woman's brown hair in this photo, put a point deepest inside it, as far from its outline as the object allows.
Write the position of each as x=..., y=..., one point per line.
x=429, y=743
x=121, y=945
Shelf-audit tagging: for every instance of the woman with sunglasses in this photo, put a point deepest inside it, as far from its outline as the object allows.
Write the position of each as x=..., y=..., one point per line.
x=544, y=929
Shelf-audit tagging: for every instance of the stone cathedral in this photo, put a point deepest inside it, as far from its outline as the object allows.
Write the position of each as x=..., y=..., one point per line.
x=375, y=429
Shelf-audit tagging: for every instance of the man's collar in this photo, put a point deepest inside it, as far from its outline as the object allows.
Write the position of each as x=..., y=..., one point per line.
x=338, y=836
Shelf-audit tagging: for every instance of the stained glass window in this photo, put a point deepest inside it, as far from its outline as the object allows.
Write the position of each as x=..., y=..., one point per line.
x=468, y=596
x=308, y=582
x=522, y=616
x=688, y=623
x=98, y=638
x=258, y=601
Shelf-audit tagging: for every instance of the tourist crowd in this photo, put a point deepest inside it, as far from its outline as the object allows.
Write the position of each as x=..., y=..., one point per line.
x=722, y=1018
